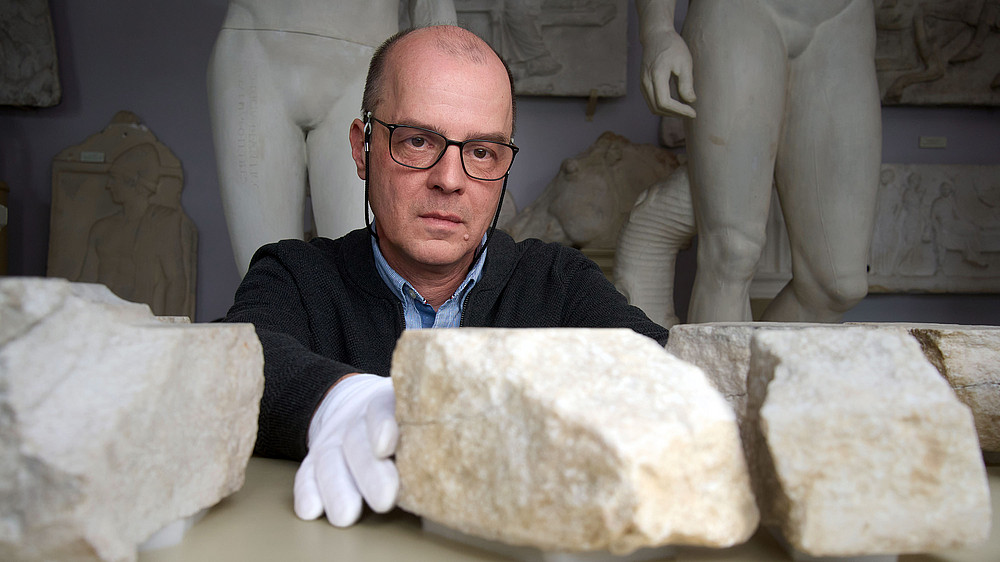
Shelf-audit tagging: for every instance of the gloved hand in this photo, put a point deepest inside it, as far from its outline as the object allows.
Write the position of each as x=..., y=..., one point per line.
x=351, y=437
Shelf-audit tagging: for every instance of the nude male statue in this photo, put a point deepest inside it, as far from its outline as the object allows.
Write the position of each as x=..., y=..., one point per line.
x=285, y=81
x=786, y=95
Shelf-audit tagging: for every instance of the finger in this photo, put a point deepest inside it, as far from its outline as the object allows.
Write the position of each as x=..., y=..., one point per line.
x=308, y=504
x=341, y=498
x=380, y=419
x=377, y=479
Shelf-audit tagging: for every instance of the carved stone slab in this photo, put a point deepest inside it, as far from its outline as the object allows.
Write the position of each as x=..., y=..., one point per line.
x=113, y=424
x=117, y=218
x=937, y=229
x=29, y=71
x=566, y=440
x=555, y=47
x=938, y=53
x=859, y=447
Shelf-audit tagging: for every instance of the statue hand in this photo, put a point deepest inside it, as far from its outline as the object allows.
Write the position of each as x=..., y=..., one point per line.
x=664, y=56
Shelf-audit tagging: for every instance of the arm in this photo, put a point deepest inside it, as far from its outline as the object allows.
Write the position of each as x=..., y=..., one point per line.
x=664, y=54
x=432, y=12
x=593, y=302
x=296, y=377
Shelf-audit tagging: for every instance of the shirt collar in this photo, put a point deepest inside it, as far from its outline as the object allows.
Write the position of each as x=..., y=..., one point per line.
x=401, y=287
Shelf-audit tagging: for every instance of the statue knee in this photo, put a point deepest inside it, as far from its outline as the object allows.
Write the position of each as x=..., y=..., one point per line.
x=730, y=255
x=841, y=293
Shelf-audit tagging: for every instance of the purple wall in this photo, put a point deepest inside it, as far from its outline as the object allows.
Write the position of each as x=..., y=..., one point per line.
x=151, y=57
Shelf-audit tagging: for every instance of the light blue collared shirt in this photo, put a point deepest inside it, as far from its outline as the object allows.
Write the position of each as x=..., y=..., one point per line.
x=416, y=312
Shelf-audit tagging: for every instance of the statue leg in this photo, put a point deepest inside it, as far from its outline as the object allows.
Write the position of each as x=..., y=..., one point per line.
x=739, y=71
x=827, y=171
x=338, y=194
x=260, y=152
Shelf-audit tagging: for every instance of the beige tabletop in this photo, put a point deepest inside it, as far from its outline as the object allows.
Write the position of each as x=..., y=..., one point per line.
x=257, y=523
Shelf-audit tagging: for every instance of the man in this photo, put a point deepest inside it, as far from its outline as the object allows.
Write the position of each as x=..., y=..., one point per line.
x=328, y=310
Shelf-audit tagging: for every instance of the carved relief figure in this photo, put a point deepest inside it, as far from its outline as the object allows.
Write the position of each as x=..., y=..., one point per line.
x=787, y=96
x=117, y=218
x=138, y=251
x=555, y=47
x=285, y=82
x=949, y=47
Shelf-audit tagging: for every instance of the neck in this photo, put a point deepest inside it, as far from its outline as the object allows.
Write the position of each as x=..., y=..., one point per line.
x=435, y=283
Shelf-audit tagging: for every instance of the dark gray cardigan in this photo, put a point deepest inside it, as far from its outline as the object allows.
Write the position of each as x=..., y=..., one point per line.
x=321, y=311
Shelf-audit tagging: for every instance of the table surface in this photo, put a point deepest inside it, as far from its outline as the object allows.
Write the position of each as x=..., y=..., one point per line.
x=257, y=523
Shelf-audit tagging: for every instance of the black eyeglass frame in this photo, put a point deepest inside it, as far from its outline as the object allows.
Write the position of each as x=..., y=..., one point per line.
x=448, y=142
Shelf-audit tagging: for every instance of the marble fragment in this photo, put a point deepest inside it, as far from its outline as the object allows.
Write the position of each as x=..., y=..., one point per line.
x=859, y=447
x=969, y=358
x=112, y=423
x=722, y=351
x=567, y=440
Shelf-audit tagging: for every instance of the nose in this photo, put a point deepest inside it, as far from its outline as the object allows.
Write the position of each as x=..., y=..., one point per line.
x=448, y=174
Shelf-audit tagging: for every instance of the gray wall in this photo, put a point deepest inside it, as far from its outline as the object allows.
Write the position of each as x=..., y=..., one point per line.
x=150, y=58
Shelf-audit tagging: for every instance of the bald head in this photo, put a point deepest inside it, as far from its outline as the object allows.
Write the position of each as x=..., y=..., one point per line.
x=391, y=59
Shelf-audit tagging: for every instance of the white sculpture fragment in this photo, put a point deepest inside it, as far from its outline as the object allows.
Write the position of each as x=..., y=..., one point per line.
x=859, y=447
x=113, y=424
x=586, y=203
x=566, y=440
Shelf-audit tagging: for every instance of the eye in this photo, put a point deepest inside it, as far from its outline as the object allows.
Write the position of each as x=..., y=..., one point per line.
x=416, y=141
x=481, y=152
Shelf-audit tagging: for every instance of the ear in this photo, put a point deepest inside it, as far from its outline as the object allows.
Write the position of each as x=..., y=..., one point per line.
x=357, y=136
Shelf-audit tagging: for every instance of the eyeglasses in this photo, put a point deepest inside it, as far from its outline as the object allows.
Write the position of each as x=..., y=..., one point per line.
x=419, y=148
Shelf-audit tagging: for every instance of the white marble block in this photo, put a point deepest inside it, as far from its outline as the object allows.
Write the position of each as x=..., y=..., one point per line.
x=112, y=423
x=969, y=358
x=722, y=351
x=860, y=447
x=567, y=440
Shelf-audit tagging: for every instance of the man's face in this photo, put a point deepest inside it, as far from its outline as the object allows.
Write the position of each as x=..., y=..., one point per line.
x=432, y=221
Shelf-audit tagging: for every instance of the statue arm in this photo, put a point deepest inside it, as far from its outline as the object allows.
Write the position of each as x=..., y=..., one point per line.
x=432, y=12
x=664, y=54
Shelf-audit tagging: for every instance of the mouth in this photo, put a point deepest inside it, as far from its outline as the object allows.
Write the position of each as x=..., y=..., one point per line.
x=441, y=217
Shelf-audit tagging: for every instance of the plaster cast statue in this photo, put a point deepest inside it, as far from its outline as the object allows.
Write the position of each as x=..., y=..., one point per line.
x=586, y=203
x=285, y=81
x=787, y=97
x=138, y=251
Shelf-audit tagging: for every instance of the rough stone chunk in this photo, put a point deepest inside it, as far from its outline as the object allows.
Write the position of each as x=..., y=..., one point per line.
x=722, y=351
x=969, y=357
x=860, y=447
x=567, y=440
x=112, y=423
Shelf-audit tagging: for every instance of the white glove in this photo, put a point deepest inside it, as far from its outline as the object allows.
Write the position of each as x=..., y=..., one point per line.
x=351, y=437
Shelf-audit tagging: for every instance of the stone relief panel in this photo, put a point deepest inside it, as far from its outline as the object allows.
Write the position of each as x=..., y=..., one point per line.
x=29, y=74
x=935, y=52
x=937, y=229
x=555, y=47
x=117, y=218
